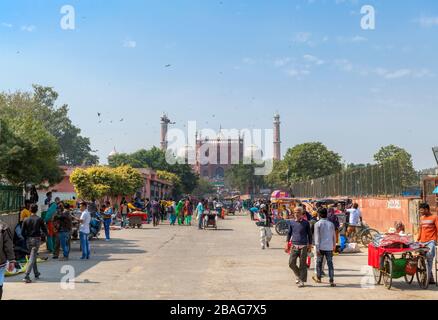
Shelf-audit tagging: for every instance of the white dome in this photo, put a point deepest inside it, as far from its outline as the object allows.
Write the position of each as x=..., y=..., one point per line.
x=113, y=153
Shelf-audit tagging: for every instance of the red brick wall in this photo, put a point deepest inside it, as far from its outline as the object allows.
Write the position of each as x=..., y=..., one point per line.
x=381, y=213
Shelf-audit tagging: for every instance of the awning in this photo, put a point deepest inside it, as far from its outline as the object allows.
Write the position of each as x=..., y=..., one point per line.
x=435, y=191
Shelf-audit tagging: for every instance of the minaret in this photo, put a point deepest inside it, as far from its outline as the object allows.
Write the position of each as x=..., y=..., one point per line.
x=164, y=128
x=277, y=141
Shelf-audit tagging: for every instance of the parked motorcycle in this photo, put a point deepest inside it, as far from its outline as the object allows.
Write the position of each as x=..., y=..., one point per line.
x=95, y=226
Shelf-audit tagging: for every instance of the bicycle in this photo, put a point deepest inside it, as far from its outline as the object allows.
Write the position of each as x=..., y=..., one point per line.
x=363, y=234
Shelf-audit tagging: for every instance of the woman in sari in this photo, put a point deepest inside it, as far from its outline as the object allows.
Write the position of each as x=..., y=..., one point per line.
x=180, y=212
x=188, y=212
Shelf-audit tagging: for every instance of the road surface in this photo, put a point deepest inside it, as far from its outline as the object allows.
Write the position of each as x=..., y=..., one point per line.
x=173, y=262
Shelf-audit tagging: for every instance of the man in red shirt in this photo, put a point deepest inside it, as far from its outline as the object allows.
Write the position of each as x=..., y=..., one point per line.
x=428, y=235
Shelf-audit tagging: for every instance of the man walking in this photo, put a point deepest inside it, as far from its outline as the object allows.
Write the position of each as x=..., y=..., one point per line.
x=33, y=229
x=84, y=230
x=265, y=227
x=200, y=214
x=301, y=236
x=155, y=209
x=63, y=223
x=6, y=253
x=325, y=243
x=428, y=235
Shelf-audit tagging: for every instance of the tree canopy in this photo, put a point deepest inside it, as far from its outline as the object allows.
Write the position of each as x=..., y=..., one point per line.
x=155, y=159
x=28, y=152
x=403, y=159
x=98, y=182
x=74, y=149
x=243, y=178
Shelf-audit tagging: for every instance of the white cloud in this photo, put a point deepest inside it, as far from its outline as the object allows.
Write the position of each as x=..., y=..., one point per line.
x=313, y=59
x=302, y=37
x=30, y=28
x=130, y=44
x=355, y=39
x=281, y=62
x=296, y=73
x=427, y=22
x=401, y=73
x=7, y=25
x=248, y=60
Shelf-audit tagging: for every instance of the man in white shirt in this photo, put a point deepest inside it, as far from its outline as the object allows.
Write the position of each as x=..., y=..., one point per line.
x=354, y=220
x=84, y=230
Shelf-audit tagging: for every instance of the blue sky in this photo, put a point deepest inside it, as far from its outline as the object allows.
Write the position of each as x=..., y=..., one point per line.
x=234, y=63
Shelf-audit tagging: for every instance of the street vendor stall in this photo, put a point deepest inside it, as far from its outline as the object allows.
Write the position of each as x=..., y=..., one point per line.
x=136, y=219
x=393, y=256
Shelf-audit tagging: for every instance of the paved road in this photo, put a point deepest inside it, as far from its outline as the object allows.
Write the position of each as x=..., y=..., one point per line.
x=184, y=263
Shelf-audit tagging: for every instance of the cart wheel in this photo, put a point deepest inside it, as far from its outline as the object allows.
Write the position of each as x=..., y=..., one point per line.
x=282, y=228
x=377, y=275
x=387, y=271
x=423, y=273
x=436, y=267
x=139, y=226
x=409, y=257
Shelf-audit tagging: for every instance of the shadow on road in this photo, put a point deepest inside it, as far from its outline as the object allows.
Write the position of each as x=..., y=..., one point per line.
x=101, y=251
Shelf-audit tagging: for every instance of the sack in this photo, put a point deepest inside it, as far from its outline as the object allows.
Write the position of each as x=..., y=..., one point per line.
x=351, y=248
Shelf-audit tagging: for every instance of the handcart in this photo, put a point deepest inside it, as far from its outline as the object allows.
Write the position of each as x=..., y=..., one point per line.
x=136, y=219
x=394, y=263
x=210, y=220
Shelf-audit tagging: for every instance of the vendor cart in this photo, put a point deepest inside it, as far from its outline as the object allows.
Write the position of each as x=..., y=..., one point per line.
x=210, y=220
x=394, y=263
x=136, y=219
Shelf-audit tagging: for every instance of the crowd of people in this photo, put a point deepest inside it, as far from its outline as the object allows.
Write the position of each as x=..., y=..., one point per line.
x=314, y=233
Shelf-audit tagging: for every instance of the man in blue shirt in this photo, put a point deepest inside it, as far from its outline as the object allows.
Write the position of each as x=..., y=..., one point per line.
x=325, y=243
x=200, y=216
x=301, y=237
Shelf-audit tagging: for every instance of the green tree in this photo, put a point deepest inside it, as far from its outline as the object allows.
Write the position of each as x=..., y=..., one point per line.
x=204, y=188
x=242, y=177
x=310, y=161
x=278, y=178
x=99, y=182
x=403, y=161
x=74, y=148
x=155, y=159
x=28, y=153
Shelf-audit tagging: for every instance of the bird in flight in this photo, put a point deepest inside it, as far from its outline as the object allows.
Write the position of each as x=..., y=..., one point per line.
x=168, y=65
x=98, y=114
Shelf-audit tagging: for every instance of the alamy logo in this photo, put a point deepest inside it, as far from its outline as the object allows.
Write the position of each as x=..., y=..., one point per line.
x=368, y=21
x=68, y=20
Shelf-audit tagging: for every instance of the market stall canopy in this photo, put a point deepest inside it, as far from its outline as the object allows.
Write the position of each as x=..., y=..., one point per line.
x=277, y=194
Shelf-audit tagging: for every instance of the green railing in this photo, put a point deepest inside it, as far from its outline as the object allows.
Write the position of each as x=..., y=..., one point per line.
x=11, y=199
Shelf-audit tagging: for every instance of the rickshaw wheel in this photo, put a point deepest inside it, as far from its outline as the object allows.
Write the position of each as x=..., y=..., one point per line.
x=282, y=228
x=387, y=271
x=377, y=275
x=423, y=273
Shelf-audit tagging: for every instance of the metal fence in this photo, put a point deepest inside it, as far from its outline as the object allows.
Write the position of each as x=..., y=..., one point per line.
x=11, y=199
x=387, y=179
